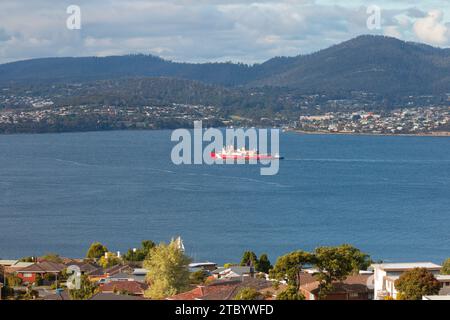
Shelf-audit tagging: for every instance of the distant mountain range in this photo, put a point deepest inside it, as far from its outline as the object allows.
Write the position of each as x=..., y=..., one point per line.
x=376, y=64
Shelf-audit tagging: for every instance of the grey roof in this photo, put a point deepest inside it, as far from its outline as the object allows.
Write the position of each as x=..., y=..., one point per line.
x=408, y=265
x=240, y=270
x=121, y=275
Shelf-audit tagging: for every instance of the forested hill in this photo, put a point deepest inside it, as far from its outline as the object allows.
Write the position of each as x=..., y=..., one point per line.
x=368, y=63
x=376, y=64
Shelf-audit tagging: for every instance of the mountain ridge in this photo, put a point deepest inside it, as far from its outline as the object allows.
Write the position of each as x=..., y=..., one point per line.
x=367, y=63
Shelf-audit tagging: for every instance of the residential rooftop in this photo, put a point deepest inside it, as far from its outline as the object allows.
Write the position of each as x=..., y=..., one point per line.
x=407, y=265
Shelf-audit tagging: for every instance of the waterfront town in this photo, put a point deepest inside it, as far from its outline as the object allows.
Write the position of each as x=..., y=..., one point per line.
x=165, y=272
x=43, y=116
x=400, y=121
x=43, y=119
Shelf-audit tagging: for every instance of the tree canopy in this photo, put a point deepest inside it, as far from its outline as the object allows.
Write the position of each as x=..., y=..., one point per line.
x=96, y=250
x=249, y=258
x=141, y=253
x=336, y=263
x=168, y=271
x=289, y=267
x=291, y=293
x=111, y=260
x=86, y=291
x=416, y=283
x=446, y=267
x=264, y=264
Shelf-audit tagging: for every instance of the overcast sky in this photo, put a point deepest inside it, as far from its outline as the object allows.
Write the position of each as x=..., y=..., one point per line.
x=209, y=30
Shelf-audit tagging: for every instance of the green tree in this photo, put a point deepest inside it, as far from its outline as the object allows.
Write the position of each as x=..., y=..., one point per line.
x=291, y=293
x=85, y=292
x=249, y=258
x=264, y=263
x=168, y=271
x=416, y=283
x=141, y=253
x=111, y=260
x=38, y=280
x=289, y=267
x=96, y=250
x=27, y=259
x=13, y=281
x=198, y=277
x=248, y=294
x=446, y=267
x=229, y=265
x=336, y=263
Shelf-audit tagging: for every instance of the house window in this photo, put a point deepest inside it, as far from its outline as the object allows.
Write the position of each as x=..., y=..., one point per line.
x=353, y=295
x=27, y=275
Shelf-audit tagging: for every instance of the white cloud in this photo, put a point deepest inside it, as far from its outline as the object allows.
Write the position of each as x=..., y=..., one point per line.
x=204, y=30
x=431, y=28
x=392, y=31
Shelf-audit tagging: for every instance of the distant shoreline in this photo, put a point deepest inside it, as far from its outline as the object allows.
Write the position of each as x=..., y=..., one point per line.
x=431, y=134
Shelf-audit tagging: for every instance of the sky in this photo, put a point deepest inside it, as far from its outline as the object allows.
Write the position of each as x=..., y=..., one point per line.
x=210, y=30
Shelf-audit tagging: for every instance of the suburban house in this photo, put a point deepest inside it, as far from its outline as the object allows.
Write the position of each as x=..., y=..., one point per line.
x=233, y=272
x=29, y=274
x=385, y=275
x=354, y=287
x=85, y=267
x=224, y=289
x=445, y=284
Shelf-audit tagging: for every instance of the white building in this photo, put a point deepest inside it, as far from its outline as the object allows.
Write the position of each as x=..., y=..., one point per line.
x=385, y=275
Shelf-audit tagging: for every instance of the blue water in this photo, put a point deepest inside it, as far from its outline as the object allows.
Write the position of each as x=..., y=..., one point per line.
x=389, y=196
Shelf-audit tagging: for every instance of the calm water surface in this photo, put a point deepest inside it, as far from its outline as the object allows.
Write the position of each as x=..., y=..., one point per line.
x=389, y=196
